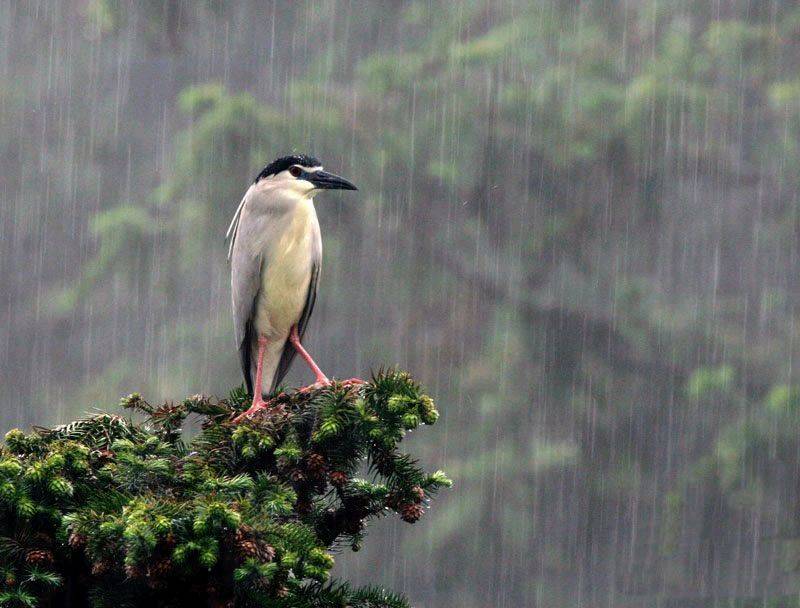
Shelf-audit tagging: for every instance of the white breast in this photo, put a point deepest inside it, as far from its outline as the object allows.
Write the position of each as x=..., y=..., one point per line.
x=286, y=275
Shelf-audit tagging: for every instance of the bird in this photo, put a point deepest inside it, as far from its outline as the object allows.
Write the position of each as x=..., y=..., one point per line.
x=275, y=255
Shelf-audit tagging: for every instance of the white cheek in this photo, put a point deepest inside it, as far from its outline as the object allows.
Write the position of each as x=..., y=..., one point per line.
x=302, y=186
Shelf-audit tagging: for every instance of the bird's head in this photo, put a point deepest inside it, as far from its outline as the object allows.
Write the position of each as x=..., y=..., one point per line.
x=301, y=174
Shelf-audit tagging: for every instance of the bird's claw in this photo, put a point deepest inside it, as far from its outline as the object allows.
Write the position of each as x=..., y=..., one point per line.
x=315, y=386
x=253, y=410
x=350, y=382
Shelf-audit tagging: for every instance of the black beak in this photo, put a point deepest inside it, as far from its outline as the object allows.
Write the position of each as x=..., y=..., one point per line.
x=328, y=181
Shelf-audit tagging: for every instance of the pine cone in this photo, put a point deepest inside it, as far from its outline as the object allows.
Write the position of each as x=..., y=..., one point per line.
x=39, y=557
x=411, y=512
x=259, y=550
x=297, y=476
x=77, y=541
x=338, y=479
x=419, y=494
x=247, y=548
x=101, y=567
x=316, y=465
x=134, y=571
x=266, y=552
x=249, y=544
x=160, y=568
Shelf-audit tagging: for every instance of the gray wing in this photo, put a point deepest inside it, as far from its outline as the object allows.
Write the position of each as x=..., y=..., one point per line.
x=245, y=285
x=288, y=354
x=233, y=227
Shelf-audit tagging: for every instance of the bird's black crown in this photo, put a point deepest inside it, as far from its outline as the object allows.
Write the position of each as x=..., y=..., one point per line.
x=284, y=162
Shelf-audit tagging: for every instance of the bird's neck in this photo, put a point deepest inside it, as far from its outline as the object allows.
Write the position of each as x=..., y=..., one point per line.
x=297, y=212
x=292, y=202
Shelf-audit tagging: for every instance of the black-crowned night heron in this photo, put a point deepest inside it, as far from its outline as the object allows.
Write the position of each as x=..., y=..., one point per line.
x=275, y=253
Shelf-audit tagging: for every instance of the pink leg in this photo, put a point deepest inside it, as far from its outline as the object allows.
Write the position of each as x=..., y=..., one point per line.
x=294, y=338
x=258, y=399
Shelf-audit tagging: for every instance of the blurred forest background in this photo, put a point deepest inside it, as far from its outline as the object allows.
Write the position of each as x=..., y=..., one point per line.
x=577, y=225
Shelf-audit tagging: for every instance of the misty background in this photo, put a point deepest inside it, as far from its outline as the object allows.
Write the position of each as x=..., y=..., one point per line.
x=577, y=225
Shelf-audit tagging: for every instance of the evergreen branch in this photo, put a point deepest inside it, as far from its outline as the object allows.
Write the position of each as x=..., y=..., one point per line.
x=127, y=514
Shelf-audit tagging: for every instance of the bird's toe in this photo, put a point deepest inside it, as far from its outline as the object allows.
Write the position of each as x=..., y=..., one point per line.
x=251, y=411
x=315, y=386
x=353, y=382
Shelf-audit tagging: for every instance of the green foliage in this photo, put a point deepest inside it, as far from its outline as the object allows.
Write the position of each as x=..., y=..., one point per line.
x=705, y=382
x=245, y=512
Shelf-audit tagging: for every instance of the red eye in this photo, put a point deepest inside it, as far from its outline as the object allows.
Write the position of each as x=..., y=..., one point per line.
x=296, y=171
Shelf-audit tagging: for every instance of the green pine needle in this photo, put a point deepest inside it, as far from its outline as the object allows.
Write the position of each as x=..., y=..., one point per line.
x=128, y=513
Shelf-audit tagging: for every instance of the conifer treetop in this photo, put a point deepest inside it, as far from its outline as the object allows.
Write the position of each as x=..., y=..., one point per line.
x=118, y=510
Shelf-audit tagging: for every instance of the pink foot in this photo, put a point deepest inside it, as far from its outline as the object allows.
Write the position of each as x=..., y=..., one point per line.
x=258, y=405
x=315, y=386
x=353, y=382
x=349, y=383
